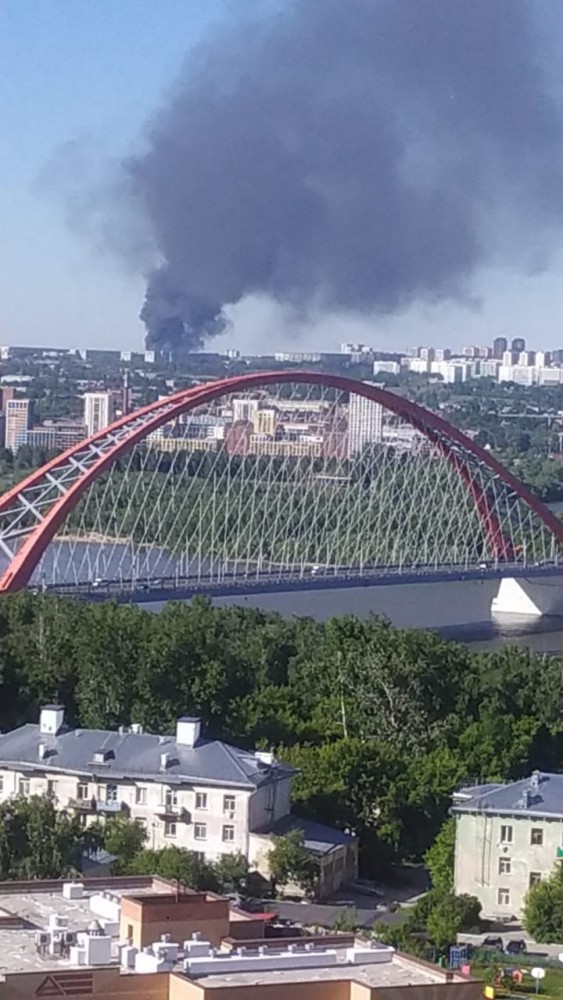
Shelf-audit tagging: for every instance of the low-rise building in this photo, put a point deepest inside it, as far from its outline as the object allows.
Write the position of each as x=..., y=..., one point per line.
x=142, y=938
x=202, y=795
x=508, y=837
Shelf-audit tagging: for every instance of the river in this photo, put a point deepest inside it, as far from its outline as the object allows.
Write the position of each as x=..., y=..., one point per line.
x=458, y=611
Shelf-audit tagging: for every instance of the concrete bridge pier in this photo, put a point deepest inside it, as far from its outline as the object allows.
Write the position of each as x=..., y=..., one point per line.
x=533, y=597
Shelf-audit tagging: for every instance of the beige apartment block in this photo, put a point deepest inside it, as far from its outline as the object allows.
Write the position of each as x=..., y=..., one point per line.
x=508, y=838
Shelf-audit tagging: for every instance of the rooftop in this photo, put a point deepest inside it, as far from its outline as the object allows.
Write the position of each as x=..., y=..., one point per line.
x=317, y=838
x=18, y=952
x=398, y=972
x=131, y=753
x=539, y=795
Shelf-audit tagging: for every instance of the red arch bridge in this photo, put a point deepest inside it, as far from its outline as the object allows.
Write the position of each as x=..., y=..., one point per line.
x=277, y=480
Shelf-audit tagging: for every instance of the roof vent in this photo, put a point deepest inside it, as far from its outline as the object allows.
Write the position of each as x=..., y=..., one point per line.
x=535, y=779
x=43, y=751
x=164, y=761
x=103, y=756
x=136, y=728
x=188, y=730
x=51, y=719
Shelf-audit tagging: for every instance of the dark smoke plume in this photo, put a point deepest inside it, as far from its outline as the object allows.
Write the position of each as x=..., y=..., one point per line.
x=357, y=154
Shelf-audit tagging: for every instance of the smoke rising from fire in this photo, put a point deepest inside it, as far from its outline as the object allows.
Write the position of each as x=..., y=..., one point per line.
x=347, y=154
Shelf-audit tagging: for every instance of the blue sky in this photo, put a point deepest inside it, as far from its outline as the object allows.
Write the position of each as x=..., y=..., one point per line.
x=91, y=72
x=85, y=71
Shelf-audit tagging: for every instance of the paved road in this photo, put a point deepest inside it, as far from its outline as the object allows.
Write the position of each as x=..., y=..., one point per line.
x=311, y=914
x=532, y=947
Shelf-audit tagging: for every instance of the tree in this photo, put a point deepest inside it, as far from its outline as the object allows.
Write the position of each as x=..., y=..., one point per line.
x=439, y=859
x=231, y=871
x=450, y=916
x=178, y=865
x=124, y=839
x=543, y=909
x=289, y=861
x=39, y=841
x=346, y=921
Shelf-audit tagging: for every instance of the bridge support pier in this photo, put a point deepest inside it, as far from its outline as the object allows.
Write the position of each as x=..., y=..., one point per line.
x=532, y=597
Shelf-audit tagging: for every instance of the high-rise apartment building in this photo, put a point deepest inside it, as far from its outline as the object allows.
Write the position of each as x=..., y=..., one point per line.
x=500, y=345
x=365, y=423
x=17, y=421
x=98, y=411
x=518, y=345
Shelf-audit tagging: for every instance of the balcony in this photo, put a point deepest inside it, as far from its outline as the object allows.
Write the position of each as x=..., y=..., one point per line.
x=112, y=807
x=82, y=805
x=168, y=811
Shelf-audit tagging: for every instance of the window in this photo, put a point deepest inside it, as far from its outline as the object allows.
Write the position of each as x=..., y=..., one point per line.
x=140, y=796
x=200, y=831
x=129, y=934
x=51, y=788
x=1, y=783
x=111, y=793
x=534, y=878
x=170, y=828
x=505, y=866
x=503, y=897
x=228, y=834
x=23, y=786
x=506, y=834
x=201, y=800
x=536, y=836
x=82, y=790
x=199, y=855
x=229, y=804
x=171, y=798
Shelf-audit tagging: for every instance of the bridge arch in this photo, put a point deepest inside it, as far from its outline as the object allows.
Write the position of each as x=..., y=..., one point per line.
x=33, y=510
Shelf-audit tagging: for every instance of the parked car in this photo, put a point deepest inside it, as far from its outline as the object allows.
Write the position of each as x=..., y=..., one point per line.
x=492, y=944
x=515, y=947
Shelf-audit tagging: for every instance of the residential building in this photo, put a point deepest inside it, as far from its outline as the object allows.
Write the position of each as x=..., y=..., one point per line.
x=518, y=345
x=508, y=837
x=365, y=423
x=55, y=435
x=500, y=345
x=244, y=408
x=199, y=794
x=389, y=367
x=98, y=411
x=17, y=421
x=526, y=358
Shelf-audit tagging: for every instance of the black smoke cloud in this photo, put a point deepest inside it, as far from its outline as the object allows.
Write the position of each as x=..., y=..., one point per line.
x=352, y=154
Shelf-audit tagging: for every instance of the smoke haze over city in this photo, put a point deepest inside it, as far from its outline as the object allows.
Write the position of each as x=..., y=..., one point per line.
x=348, y=155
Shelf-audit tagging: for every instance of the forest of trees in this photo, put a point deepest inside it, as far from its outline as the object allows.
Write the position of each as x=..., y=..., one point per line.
x=382, y=722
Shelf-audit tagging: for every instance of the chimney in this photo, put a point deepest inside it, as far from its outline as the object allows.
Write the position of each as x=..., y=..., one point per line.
x=51, y=719
x=164, y=758
x=43, y=752
x=188, y=731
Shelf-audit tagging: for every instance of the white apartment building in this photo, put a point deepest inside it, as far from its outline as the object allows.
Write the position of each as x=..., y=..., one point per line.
x=202, y=795
x=365, y=423
x=199, y=794
x=98, y=411
x=389, y=367
x=508, y=837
